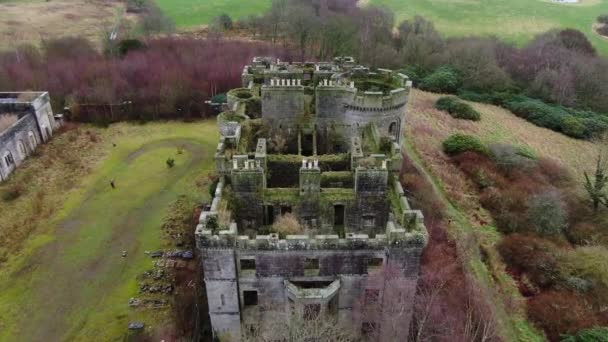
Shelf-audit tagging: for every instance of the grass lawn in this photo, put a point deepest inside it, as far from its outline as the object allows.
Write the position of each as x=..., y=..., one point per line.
x=192, y=12
x=69, y=280
x=515, y=20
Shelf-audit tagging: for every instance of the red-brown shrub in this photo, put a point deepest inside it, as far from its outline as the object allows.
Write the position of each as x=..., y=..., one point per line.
x=170, y=78
x=554, y=172
x=561, y=312
x=534, y=256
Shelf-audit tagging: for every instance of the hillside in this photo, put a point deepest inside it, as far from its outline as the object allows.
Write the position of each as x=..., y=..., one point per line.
x=426, y=130
x=516, y=21
x=429, y=127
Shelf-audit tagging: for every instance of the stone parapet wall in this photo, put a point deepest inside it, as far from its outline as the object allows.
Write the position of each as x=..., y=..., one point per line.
x=396, y=237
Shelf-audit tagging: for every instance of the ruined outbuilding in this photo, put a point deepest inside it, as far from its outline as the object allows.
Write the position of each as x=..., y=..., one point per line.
x=26, y=120
x=319, y=142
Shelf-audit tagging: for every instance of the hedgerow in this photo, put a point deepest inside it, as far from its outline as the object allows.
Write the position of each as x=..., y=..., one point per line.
x=574, y=123
x=457, y=109
x=458, y=143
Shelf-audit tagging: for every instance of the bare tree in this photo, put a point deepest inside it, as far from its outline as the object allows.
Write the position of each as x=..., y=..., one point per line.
x=384, y=310
x=303, y=26
x=294, y=326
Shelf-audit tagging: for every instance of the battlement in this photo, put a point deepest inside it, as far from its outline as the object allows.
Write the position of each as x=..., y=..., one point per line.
x=282, y=82
x=394, y=237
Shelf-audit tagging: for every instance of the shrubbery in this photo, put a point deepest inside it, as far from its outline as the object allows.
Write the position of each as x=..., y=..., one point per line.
x=12, y=193
x=574, y=123
x=508, y=157
x=442, y=80
x=457, y=108
x=546, y=213
x=458, y=143
x=161, y=80
x=534, y=256
x=287, y=224
x=559, y=312
x=598, y=334
x=591, y=264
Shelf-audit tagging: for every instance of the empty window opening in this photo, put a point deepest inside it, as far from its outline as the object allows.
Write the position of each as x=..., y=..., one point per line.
x=250, y=298
x=312, y=311
x=311, y=284
x=307, y=145
x=248, y=264
x=285, y=209
x=392, y=129
x=375, y=263
x=311, y=264
x=8, y=159
x=33, y=141
x=22, y=151
x=222, y=300
x=338, y=214
x=269, y=217
x=369, y=221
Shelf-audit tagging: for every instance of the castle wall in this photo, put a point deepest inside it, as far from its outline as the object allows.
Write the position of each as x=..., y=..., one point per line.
x=273, y=267
x=35, y=125
x=16, y=138
x=221, y=284
x=282, y=105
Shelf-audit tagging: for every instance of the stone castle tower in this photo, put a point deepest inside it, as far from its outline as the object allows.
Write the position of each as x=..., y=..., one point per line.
x=319, y=142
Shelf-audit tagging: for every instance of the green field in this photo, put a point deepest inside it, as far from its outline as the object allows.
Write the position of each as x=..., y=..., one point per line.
x=516, y=20
x=188, y=13
x=70, y=281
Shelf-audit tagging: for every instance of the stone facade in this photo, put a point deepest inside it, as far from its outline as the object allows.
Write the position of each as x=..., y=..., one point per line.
x=337, y=173
x=34, y=123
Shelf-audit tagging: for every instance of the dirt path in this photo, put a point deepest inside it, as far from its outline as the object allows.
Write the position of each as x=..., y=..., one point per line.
x=66, y=287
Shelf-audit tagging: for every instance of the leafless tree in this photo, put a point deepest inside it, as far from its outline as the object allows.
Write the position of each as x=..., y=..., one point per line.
x=279, y=325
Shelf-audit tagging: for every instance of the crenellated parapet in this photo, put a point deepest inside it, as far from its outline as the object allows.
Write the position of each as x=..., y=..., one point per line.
x=394, y=237
x=247, y=176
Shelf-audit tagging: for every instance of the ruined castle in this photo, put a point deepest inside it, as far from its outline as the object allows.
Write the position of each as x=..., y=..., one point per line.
x=319, y=142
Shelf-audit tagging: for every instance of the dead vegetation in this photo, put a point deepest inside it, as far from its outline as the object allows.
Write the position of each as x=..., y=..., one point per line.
x=31, y=22
x=287, y=224
x=69, y=156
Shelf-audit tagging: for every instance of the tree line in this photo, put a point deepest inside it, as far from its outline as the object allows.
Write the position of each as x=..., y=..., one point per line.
x=559, y=68
x=156, y=79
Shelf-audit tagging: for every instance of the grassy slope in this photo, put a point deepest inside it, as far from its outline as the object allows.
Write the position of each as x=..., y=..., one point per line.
x=190, y=13
x=30, y=21
x=499, y=125
x=515, y=20
x=428, y=127
x=70, y=281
